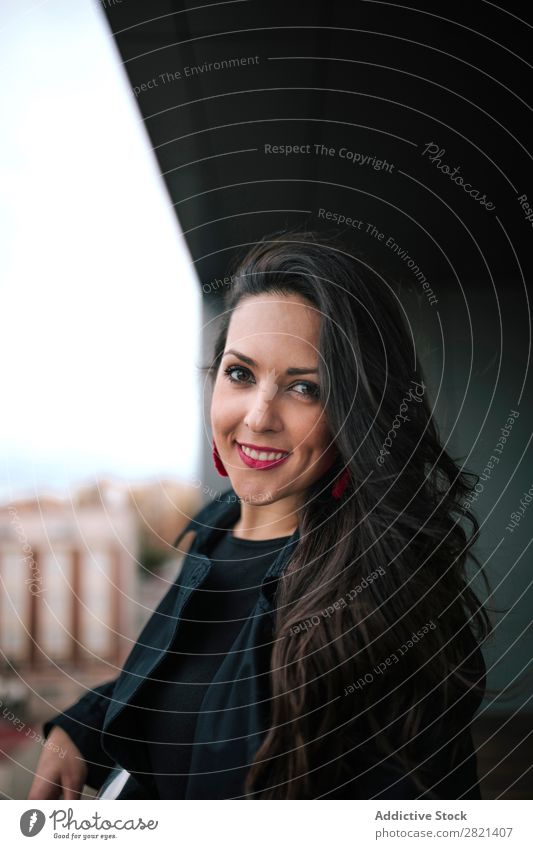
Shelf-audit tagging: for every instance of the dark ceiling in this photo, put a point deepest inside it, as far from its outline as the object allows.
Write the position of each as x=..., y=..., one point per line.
x=361, y=89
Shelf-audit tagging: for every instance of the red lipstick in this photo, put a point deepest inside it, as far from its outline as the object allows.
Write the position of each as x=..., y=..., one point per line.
x=260, y=464
x=262, y=447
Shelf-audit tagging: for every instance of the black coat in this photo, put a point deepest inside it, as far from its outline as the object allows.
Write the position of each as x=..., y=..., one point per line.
x=232, y=720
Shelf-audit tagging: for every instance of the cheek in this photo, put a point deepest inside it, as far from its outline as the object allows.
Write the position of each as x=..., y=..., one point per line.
x=217, y=405
x=310, y=435
x=322, y=426
x=224, y=406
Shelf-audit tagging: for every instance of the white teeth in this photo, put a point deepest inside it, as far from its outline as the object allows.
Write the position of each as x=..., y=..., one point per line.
x=261, y=455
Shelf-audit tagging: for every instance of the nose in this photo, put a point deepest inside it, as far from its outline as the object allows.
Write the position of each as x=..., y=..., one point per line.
x=262, y=413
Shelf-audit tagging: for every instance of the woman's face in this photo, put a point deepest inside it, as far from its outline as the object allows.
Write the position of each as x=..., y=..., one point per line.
x=256, y=402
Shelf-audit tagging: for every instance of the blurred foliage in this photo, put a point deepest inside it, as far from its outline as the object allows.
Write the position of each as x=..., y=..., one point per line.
x=152, y=558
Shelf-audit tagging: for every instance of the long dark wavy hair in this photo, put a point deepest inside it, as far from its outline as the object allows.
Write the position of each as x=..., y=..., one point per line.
x=335, y=686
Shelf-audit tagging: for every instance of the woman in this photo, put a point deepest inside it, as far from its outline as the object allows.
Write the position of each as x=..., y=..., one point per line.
x=346, y=661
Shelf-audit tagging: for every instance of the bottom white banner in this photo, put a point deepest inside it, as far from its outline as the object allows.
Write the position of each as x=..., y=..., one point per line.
x=306, y=823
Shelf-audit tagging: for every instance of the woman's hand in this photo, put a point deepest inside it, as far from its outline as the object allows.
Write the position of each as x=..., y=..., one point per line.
x=59, y=777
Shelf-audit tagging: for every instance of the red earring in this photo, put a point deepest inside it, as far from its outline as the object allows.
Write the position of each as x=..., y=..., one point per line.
x=340, y=484
x=219, y=465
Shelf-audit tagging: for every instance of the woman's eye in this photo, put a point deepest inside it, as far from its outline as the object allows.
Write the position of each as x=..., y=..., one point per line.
x=310, y=390
x=230, y=370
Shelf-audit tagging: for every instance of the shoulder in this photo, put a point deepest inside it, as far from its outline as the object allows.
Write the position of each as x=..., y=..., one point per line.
x=205, y=517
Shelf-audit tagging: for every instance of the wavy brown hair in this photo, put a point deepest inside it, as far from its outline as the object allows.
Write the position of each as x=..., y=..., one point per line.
x=402, y=515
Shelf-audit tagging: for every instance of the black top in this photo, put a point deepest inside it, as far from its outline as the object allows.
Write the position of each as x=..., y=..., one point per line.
x=166, y=705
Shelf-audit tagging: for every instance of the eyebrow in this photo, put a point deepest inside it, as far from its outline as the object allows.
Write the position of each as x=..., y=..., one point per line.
x=293, y=370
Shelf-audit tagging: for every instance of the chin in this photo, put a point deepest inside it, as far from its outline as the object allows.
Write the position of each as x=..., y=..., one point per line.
x=253, y=495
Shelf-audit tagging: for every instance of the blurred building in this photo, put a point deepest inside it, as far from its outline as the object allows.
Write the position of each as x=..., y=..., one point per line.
x=70, y=570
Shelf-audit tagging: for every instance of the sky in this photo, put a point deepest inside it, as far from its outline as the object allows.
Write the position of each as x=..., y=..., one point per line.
x=99, y=301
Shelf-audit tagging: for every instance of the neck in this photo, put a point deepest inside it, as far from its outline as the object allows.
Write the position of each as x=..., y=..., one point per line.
x=266, y=521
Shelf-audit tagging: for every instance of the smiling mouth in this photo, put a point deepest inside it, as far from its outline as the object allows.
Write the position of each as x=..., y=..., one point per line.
x=261, y=459
x=261, y=454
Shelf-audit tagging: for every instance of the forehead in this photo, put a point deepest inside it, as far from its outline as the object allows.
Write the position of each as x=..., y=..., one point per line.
x=287, y=320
